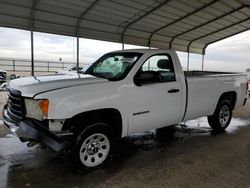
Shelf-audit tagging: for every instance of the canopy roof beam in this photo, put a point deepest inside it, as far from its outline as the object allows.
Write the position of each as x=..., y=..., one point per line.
x=219, y=30
x=141, y=17
x=206, y=23
x=205, y=47
x=153, y=25
x=78, y=23
x=180, y=19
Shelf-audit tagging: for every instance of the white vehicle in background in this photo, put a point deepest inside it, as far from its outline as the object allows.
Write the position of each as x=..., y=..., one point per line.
x=73, y=70
x=122, y=93
x=3, y=86
x=4, y=81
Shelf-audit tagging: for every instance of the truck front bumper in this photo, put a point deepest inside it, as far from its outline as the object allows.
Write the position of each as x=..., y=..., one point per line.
x=30, y=130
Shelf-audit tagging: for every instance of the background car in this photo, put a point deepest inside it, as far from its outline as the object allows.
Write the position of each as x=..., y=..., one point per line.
x=73, y=70
x=3, y=76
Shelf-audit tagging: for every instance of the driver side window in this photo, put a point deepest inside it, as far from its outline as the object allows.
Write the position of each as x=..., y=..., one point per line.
x=161, y=65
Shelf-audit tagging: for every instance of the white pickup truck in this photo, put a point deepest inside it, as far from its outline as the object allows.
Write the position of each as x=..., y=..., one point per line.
x=122, y=93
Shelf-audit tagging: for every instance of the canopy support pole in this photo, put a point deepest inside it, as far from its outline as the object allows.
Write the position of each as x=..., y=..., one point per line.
x=77, y=54
x=123, y=46
x=32, y=51
x=188, y=62
x=32, y=15
x=202, y=68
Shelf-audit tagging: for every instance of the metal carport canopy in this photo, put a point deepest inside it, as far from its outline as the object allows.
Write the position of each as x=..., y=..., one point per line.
x=187, y=26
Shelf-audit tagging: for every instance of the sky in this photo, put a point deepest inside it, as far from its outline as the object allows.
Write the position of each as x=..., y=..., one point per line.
x=231, y=54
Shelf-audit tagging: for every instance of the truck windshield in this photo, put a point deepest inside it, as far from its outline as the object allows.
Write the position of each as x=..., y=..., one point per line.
x=114, y=66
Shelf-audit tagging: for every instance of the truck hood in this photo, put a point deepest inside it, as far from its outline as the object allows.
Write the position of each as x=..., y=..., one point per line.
x=30, y=86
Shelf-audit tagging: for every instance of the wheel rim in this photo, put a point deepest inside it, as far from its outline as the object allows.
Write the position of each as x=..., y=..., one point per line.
x=94, y=150
x=224, y=115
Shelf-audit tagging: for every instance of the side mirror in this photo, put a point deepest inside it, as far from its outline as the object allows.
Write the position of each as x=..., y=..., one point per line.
x=146, y=77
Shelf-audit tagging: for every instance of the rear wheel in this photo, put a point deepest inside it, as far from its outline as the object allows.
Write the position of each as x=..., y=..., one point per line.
x=222, y=116
x=94, y=145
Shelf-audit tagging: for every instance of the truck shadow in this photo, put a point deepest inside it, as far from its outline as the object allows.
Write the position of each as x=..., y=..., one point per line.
x=166, y=138
x=39, y=167
x=157, y=140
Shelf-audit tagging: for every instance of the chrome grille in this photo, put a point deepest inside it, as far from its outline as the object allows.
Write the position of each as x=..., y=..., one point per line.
x=15, y=105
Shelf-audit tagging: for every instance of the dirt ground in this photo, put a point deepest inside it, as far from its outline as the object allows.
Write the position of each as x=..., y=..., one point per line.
x=193, y=157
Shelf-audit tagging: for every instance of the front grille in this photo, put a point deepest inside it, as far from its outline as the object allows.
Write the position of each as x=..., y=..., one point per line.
x=15, y=105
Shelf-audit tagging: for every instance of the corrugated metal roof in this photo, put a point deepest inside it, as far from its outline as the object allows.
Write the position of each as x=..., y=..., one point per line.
x=173, y=24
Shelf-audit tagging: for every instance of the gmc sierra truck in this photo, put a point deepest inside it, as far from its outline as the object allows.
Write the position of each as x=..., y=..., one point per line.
x=122, y=93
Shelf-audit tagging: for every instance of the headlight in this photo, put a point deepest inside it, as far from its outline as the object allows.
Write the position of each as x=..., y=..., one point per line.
x=37, y=109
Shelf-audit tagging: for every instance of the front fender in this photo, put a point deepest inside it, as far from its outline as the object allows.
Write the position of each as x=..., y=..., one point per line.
x=68, y=102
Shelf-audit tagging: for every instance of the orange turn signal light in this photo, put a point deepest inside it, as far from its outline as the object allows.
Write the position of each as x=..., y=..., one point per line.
x=44, y=106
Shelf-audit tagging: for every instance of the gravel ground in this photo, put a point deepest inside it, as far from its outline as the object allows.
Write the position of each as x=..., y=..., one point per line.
x=193, y=157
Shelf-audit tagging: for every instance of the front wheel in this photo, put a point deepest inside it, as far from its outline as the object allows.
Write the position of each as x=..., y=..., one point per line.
x=222, y=116
x=94, y=146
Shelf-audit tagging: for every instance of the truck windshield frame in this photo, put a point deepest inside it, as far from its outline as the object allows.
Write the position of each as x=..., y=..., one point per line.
x=114, y=66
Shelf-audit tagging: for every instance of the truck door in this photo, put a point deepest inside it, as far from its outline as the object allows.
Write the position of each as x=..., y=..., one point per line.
x=156, y=102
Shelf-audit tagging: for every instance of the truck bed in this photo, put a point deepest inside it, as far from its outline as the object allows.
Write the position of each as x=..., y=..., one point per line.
x=204, y=90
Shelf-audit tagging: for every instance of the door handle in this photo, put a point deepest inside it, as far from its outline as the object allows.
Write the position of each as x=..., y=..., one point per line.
x=173, y=90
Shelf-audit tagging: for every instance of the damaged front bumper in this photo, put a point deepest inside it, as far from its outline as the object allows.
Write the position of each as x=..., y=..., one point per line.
x=31, y=130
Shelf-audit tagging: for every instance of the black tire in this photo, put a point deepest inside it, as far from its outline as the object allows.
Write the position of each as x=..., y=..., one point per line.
x=83, y=147
x=222, y=116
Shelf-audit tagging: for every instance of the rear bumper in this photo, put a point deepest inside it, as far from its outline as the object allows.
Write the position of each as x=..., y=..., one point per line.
x=30, y=130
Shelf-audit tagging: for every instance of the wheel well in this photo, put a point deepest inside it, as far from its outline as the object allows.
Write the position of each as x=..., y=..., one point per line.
x=231, y=96
x=110, y=116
